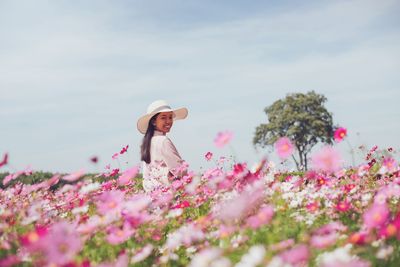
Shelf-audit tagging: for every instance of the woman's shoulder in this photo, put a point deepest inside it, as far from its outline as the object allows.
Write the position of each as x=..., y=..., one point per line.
x=160, y=140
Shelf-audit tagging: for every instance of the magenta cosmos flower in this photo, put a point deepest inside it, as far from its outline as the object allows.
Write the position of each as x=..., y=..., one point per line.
x=343, y=206
x=4, y=161
x=340, y=134
x=223, y=138
x=208, y=156
x=283, y=147
x=327, y=159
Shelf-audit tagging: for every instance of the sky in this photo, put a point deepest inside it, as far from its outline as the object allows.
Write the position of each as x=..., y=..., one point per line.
x=76, y=75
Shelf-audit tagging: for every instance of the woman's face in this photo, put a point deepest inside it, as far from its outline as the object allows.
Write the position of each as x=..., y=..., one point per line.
x=164, y=121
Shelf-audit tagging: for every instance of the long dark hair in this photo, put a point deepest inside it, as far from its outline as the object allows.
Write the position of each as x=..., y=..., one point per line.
x=145, y=148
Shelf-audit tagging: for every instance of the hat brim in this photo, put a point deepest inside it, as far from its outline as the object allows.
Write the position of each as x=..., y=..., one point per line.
x=143, y=122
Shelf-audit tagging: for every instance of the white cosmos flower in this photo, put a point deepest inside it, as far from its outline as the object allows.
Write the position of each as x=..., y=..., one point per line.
x=253, y=257
x=89, y=188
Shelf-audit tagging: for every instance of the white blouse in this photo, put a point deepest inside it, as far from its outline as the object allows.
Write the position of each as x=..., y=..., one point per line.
x=164, y=159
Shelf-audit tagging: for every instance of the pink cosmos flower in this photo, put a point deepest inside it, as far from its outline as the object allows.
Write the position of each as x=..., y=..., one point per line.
x=233, y=209
x=177, y=184
x=74, y=176
x=282, y=245
x=263, y=217
x=296, y=256
x=327, y=159
x=114, y=172
x=390, y=164
x=62, y=243
x=127, y=176
x=27, y=171
x=376, y=215
x=53, y=180
x=212, y=173
x=180, y=169
x=108, y=185
x=386, y=192
x=323, y=241
x=208, y=156
x=110, y=201
x=225, y=230
x=283, y=147
x=223, y=138
x=117, y=235
x=90, y=225
x=340, y=134
x=331, y=227
x=10, y=260
x=115, y=156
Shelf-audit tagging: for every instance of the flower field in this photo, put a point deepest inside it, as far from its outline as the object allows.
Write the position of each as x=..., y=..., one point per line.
x=229, y=215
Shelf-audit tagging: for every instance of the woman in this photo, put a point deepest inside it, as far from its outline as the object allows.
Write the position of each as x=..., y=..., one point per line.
x=159, y=155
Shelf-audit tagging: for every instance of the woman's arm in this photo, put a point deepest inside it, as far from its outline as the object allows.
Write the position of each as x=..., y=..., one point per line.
x=171, y=157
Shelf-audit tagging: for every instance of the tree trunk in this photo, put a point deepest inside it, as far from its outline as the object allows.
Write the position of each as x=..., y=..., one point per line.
x=305, y=162
x=295, y=161
x=301, y=160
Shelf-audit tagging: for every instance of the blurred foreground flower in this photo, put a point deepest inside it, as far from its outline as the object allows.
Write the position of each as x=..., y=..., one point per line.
x=74, y=176
x=327, y=159
x=283, y=147
x=376, y=215
x=110, y=201
x=127, y=176
x=263, y=217
x=297, y=256
x=223, y=138
x=13, y=176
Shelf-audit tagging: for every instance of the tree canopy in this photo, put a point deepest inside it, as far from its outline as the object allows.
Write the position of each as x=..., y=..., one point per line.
x=302, y=118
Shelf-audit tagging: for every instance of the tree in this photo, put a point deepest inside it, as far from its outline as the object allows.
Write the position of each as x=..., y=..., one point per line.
x=300, y=117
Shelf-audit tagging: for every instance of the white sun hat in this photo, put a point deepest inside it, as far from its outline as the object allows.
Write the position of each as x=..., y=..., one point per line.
x=156, y=107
